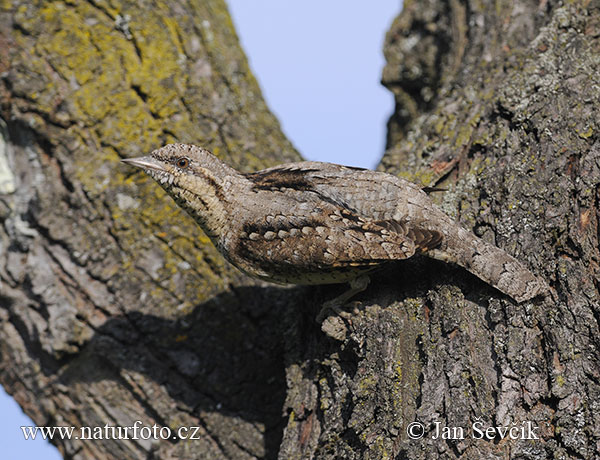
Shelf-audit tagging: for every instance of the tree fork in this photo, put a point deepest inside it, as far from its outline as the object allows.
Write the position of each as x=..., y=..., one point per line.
x=108, y=317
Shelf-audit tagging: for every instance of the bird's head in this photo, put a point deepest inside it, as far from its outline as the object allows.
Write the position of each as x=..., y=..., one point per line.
x=177, y=165
x=192, y=176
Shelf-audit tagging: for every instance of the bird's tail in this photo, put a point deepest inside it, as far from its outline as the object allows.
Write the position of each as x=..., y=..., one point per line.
x=489, y=263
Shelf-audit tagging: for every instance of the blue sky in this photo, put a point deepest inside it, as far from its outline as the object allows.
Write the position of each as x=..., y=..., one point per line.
x=319, y=65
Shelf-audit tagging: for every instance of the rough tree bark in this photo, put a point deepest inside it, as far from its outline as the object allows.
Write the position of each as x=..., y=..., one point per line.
x=115, y=311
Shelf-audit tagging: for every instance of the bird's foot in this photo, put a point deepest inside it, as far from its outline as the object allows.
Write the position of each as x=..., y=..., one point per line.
x=336, y=305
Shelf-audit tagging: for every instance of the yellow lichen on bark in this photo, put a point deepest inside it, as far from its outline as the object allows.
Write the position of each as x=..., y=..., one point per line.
x=121, y=79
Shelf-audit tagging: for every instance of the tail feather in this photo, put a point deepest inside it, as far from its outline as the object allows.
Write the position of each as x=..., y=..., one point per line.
x=489, y=263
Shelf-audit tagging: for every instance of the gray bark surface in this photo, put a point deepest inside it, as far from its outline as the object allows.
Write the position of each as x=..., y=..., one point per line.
x=114, y=307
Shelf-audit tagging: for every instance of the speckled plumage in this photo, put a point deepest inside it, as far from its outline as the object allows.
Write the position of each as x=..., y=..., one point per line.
x=317, y=223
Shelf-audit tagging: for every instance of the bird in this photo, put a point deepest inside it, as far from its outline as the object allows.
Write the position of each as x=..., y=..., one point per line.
x=312, y=223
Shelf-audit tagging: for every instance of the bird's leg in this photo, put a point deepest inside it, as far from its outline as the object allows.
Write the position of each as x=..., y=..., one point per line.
x=335, y=305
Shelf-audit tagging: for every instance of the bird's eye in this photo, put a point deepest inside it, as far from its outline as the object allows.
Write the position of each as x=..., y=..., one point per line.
x=182, y=162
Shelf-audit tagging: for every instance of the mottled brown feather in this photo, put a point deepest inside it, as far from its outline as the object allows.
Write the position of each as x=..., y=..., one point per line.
x=313, y=222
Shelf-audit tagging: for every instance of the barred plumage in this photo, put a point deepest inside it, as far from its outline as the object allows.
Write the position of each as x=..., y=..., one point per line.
x=317, y=223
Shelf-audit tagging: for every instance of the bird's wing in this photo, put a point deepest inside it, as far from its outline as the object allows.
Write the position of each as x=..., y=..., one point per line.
x=370, y=194
x=319, y=234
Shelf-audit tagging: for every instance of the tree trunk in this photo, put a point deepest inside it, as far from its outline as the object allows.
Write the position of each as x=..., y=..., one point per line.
x=117, y=309
x=115, y=306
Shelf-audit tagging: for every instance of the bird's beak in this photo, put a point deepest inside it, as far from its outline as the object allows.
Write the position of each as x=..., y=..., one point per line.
x=145, y=163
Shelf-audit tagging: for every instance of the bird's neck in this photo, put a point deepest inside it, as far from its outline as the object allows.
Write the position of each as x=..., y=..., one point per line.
x=207, y=198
